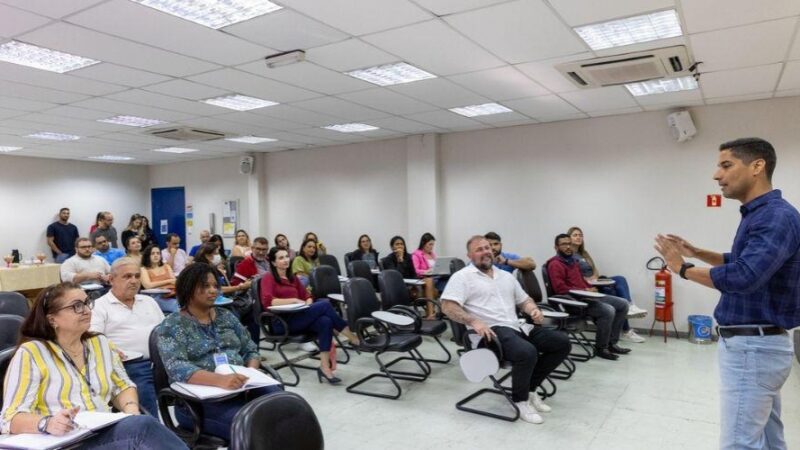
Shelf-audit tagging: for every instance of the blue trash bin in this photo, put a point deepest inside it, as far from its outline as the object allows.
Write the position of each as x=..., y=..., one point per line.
x=700, y=329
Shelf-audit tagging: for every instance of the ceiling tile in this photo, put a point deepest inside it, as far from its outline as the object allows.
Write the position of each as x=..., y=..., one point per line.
x=51, y=119
x=385, y=100
x=330, y=135
x=440, y=92
x=286, y=30
x=673, y=98
x=341, y=109
x=705, y=15
x=503, y=83
x=615, y=112
x=349, y=55
x=601, y=99
x=187, y=89
x=128, y=109
x=404, y=125
x=791, y=76
x=50, y=8
x=443, y=119
x=146, y=98
x=264, y=122
x=296, y=116
x=788, y=93
x=514, y=123
x=58, y=81
x=309, y=76
x=360, y=17
x=520, y=31
x=6, y=113
x=544, y=72
x=751, y=80
x=25, y=91
x=795, y=49
x=560, y=118
x=444, y=7
x=739, y=98
x=746, y=46
x=239, y=82
x=543, y=106
x=495, y=119
x=675, y=105
x=452, y=53
x=14, y=21
x=113, y=73
x=578, y=12
x=302, y=139
x=23, y=104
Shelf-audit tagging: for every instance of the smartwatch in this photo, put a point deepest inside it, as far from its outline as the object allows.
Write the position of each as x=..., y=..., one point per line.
x=684, y=267
x=42, y=425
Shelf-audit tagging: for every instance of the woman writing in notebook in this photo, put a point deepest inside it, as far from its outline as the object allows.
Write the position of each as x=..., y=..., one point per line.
x=60, y=368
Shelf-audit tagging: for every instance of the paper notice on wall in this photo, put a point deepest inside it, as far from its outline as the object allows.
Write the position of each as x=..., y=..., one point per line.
x=229, y=218
x=164, y=226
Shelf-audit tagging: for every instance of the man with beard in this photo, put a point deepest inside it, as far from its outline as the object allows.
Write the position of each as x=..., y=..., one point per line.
x=61, y=236
x=84, y=266
x=486, y=299
x=507, y=261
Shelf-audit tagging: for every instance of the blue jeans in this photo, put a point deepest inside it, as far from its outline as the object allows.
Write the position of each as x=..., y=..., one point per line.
x=167, y=305
x=141, y=373
x=218, y=416
x=619, y=289
x=139, y=432
x=61, y=258
x=752, y=370
x=320, y=318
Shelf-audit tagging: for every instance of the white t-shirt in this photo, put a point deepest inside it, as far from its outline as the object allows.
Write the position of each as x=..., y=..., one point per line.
x=75, y=265
x=493, y=300
x=128, y=328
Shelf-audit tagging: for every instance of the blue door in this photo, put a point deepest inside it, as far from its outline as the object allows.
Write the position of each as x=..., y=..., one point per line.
x=169, y=205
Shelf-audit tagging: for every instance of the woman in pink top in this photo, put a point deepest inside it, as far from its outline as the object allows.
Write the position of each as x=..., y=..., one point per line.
x=423, y=259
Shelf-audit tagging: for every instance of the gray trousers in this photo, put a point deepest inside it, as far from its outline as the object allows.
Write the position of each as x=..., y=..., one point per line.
x=609, y=314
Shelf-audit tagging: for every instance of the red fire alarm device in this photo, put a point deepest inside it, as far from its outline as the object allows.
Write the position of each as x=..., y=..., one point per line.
x=714, y=201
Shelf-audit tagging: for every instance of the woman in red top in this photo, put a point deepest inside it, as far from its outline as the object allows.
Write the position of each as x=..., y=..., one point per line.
x=282, y=288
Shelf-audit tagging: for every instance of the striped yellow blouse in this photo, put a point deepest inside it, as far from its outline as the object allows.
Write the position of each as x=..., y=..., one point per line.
x=40, y=380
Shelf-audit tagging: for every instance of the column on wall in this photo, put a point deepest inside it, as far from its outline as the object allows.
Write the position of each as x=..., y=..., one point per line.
x=423, y=187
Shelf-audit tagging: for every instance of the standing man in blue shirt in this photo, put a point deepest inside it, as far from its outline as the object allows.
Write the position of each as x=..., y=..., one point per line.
x=760, y=285
x=507, y=261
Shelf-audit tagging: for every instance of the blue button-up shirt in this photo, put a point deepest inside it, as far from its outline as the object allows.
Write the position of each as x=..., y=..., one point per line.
x=760, y=277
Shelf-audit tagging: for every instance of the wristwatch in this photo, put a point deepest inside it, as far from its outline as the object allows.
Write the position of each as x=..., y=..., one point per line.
x=42, y=425
x=684, y=267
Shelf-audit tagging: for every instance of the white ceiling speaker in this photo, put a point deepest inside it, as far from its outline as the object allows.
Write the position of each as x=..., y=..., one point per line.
x=681, y=125
x=187, y=134
x=246, y=165
x=634, y=67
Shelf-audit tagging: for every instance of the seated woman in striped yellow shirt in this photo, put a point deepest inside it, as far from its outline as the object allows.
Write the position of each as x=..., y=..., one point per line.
x=61, y=368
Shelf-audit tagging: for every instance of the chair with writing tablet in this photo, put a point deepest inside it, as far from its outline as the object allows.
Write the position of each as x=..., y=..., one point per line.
x=485, y=360
x=14, y=303
x=5, y=360
x=325, y=284
x=230, y=266
x=576, y=323
x=362, y=269
x=9, y=330
x=281, y=421
x=330, y=260
x=456, y=264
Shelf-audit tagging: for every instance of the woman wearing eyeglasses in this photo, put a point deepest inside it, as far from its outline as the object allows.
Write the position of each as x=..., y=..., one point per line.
x=60, y=368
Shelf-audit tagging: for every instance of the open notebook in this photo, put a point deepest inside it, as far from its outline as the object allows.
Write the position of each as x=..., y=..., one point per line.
x=88, y=421
x=256, y=379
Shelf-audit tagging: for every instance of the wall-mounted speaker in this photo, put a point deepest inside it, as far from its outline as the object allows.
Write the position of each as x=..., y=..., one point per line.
x=246, y=165
x=681, y=125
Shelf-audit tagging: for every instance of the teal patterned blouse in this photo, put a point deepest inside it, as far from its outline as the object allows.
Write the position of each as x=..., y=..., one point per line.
x=186, y=346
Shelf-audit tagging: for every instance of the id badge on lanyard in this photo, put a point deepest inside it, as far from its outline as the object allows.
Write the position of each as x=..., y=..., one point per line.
x=220, y=358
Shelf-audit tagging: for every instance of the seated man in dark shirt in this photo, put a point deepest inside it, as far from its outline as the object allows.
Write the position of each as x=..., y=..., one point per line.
x=608, y=312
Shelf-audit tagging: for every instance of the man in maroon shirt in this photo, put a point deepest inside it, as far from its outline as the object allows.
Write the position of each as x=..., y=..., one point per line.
x=608, y=312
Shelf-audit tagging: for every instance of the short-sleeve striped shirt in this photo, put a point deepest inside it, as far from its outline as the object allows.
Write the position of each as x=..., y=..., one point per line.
x=41, y=380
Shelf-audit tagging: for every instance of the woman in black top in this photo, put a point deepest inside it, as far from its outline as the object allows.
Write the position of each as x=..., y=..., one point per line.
x=365, y=252
x=400, y=259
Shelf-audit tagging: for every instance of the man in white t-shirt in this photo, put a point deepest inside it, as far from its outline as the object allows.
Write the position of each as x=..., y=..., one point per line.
x=127, y=319
x=83, y=266
x=486, y=299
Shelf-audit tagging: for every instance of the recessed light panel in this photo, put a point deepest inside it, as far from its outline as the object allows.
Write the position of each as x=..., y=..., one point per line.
x=389, y=74
x=213, y=13
x=174, y=150
x=131, y=121
x=29, y=55
x=631, y=30
x=485, y=109
x=250, y=139
x=111, y=158
x=239, y=102
x=53, y=136
x=662, y=86
x=351, y=127
x=9, y=149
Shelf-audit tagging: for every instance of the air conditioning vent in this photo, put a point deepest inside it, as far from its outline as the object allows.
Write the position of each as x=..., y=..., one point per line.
x=628, y=68
x=187, y=134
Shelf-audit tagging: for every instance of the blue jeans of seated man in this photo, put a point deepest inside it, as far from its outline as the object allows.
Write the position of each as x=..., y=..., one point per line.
x=619, y=289
x=139, y=432
x=218, y=416
x=141, y=373
x=320, y=318
x=608, y=314
x=752, y=370
x=167, y=305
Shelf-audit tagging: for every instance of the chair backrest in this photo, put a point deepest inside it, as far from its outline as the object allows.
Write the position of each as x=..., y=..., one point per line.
x=393, y=289
x=5, y=360
x=278, y=421
x=478, y=364
x=456, y=264
x=233, y=261
x=9, y=330
x=459, y=333
x=527, y=279
x=546, y=279
x=330, y=260
x=160, y=378
x=324, y=281
x=360, y=298
x=255, y=294
x=361, y=269
x=14, y=303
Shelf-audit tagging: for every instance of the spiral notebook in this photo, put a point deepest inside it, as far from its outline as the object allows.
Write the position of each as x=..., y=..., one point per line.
x=256, y=379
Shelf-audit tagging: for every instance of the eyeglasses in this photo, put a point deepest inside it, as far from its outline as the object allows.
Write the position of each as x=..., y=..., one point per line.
x=83, y=247
x=80, y=307
x=260, y=249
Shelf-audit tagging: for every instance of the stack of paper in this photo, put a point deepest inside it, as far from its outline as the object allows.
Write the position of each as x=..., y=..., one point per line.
x=256, y=379
x=88, y=421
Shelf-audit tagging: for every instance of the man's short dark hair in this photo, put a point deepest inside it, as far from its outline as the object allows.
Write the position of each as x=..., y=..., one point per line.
x=477, y=237
x=63, y=209
x=751, y=149
x=261, y=240
x=81, y=239
x=559, y=237
x=492, y=236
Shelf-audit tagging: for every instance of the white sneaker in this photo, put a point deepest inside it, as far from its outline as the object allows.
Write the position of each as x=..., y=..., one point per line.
x=308, y=347
x=631, y=336
x=635, y=311
x=537, y=403
x=528, y=414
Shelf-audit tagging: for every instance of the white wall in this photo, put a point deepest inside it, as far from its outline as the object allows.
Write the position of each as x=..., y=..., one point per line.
x=32, y=190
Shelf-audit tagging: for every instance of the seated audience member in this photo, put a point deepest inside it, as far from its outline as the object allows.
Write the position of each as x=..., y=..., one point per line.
x=281, y=241
x=619, y=289
x=105, y=251
x=191, y=341
x=84, y=266
x=217, y=240
x=281, y=287
x=61, y=368
x=486, y=300
x=209, y=254
x=134, y=228
x=127, y=318
x=147, y=235
x=399, y=260
x=241, y=245
x=305, y=262
x=365, y=252
x=423, y=259
x=133, y=247
x=608, y=313
x=174, y=256
x=507, y=261
x=320, y=246
x=156, y=274
x=105, y=228
x=254, y=265
x=61, y=236
x=205, y=235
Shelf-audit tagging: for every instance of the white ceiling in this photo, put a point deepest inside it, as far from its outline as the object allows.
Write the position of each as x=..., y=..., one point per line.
x=158, y=66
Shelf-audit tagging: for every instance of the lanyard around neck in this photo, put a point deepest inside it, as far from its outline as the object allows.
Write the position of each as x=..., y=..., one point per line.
x=84, y=376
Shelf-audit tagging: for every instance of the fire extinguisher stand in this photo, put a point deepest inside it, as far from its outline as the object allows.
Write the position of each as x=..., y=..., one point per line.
x=663, y=296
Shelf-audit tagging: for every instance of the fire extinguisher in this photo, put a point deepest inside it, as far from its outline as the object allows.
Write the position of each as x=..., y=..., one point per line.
x=663, y=290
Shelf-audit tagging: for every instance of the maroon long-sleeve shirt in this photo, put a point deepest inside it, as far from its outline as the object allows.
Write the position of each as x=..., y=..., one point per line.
x=565, y=275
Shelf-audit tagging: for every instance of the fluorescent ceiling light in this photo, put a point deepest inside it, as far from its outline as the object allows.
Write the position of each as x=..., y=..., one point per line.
x=213, y=13
x=174, y=150
x=9, y=149
x=54, y=136
x=389, y=74
x=351, y=127
x=250, y=139
x=131, y=121
x=239, y=102
x=631, y=30
x=111, y=158
x=485, y=109
x=662, y=86
x=42, y=58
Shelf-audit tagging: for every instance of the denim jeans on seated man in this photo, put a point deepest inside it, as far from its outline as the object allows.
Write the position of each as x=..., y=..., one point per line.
x=139, y=432
x=141, y=373
x=167, y=305
x=619, y=289
x=752, y=370
x=608, y=314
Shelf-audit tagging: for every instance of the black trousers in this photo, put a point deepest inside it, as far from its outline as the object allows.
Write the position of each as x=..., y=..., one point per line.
x=532, y=357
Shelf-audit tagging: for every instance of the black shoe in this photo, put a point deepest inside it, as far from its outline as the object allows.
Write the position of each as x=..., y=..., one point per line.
x=614, y=348
x=605, y=354
x=332, y=380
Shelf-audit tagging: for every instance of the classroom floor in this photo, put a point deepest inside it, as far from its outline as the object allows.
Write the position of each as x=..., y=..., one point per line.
x=661, y=396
